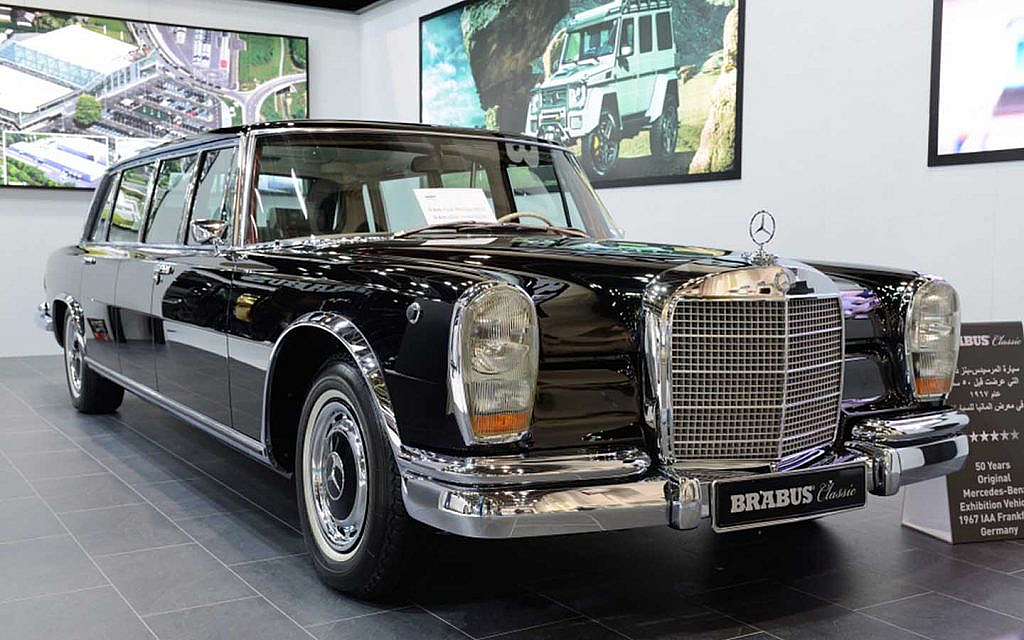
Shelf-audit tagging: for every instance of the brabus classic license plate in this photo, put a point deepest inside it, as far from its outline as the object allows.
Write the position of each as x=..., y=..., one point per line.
x=768, y=499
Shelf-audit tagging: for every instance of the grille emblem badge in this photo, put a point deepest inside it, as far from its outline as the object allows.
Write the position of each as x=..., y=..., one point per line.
x=761, y=230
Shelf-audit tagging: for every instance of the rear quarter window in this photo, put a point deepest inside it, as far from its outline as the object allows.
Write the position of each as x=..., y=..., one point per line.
x=130, y=205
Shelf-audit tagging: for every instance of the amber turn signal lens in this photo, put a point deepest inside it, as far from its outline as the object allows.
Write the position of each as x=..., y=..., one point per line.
x=932, y=386
x=500, y=423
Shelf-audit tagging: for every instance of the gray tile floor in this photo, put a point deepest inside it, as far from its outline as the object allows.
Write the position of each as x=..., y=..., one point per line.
x=134, y=526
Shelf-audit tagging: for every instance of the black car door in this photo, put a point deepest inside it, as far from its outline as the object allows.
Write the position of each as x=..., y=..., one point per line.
x=133, y=326
x=99, y=277
x=190, y=293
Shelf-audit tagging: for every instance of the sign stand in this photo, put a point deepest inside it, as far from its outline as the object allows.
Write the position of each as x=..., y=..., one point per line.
x=985, y=499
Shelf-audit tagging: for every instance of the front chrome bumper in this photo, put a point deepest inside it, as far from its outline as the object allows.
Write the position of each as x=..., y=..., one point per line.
x=515, y=496
x=43, y=318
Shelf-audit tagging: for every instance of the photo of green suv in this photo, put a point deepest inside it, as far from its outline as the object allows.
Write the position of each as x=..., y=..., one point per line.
x=642, y=91
x=616, y=77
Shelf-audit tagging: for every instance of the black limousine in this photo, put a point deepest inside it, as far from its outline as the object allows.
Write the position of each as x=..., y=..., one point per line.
x=436, y=328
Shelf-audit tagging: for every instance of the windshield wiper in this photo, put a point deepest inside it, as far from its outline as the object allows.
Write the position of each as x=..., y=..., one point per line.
x=490, y=227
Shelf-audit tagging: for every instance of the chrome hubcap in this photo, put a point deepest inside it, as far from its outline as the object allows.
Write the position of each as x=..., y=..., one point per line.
x=73, y=354
x=338, y=475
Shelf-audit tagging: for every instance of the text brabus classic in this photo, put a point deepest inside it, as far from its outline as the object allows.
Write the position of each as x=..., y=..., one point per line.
x=525, y=373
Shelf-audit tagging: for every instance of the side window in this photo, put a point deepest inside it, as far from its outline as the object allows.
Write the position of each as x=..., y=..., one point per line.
x=172, y=183
x=664, y=24
x=130, y=206
x=215, y=191
x=98, y=233
x=645, y=34
x=537, y=190
x=627, y=36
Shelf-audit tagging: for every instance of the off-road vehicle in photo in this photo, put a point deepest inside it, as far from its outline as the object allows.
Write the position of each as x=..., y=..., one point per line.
x=615, y=77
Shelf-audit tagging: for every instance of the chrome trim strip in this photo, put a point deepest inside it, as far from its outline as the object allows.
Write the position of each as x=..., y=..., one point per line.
x=521, y=469
x=910, y=428
x=456, y=385
x=221, y=432
x=362, y=355
x=508, y=513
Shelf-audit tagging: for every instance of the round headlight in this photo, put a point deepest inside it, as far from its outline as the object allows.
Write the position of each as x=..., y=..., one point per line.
x=499, y=332
x=933, y=338
x=493, y=362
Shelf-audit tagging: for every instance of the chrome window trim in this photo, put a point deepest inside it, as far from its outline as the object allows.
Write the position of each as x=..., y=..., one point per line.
x=918, y=284
x=456, y=384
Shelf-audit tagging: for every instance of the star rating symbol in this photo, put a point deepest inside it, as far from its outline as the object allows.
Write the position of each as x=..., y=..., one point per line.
x=994, y=436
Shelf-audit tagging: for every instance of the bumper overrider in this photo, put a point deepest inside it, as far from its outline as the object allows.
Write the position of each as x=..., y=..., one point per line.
x=521, y=496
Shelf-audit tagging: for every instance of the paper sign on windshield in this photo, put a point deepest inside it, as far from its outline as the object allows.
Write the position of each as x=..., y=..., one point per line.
x=440, y=206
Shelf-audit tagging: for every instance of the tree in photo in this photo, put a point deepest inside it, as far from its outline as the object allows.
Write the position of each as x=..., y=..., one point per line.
x=88, y=110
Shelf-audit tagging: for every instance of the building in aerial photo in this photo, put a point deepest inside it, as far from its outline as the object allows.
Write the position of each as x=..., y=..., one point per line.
x=131, y=85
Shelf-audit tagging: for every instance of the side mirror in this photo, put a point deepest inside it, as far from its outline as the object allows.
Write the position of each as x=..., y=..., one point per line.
x=626, y=51
x=208, y=231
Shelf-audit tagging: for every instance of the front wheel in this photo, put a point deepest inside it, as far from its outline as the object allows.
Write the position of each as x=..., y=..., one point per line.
x=90, y=392
x=665, y=130
x=349, y=490
x=601, y=146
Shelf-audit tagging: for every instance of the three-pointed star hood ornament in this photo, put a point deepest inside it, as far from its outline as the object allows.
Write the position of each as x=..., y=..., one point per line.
x=762, y=230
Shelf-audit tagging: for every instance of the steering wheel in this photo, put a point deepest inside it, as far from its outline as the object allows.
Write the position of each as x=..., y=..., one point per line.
x=516, y=215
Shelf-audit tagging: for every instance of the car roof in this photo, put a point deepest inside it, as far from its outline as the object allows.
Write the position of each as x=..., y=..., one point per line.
x=224, y=134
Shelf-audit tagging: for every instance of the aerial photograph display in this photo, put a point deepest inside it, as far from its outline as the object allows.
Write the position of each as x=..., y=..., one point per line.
x=79, y=92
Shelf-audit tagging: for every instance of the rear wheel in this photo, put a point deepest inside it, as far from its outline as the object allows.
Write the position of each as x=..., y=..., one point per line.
x=349, y=490
x=90, y=392
x=665, y=130
x=601, y=146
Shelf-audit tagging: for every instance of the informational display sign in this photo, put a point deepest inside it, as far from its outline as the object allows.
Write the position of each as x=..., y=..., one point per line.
x=986, y=497
x=441, y=206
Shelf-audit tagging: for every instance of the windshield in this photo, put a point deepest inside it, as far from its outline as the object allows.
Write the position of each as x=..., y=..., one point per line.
x=344, y=184
x=590, y=42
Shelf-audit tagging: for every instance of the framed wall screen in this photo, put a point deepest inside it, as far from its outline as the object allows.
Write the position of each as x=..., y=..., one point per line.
x=643, y=91
x=79, y=92
x=977, y=92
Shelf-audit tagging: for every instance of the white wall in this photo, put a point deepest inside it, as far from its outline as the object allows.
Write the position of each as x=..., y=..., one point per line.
x=835, y=130
x=34, y=222
x=834, y=142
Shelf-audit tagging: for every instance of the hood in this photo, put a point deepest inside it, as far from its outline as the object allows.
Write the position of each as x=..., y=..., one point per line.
x=574, y=73
x=588, y=293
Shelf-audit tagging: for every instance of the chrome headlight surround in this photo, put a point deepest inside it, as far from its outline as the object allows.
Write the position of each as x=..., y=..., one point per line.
x=932, y=338
x=493, y=355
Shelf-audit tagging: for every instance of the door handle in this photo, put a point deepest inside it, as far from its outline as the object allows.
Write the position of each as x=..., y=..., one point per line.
x=161, y=270
x=88, y=260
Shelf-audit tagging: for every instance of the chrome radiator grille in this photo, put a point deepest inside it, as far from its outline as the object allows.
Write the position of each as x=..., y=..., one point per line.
x=754, y=379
